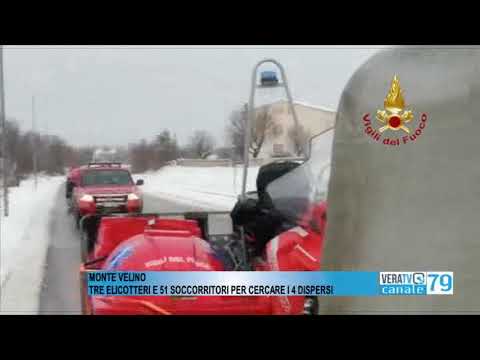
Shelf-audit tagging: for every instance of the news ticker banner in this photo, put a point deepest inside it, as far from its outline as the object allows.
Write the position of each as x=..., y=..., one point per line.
x=269, y=283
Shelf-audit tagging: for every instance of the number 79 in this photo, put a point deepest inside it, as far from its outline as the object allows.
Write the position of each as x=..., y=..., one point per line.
x=445, y=281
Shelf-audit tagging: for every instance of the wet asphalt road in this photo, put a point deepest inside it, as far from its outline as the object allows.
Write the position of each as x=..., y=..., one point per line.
x=61, y=284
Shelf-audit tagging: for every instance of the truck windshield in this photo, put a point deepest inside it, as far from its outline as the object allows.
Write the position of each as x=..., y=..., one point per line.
x=106, y=177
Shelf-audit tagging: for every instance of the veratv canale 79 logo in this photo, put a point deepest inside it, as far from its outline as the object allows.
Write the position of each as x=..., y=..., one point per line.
x=394, y=283
x=393, y=121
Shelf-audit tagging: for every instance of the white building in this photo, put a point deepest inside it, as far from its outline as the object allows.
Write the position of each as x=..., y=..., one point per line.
x=105, y=155
x=279, y=139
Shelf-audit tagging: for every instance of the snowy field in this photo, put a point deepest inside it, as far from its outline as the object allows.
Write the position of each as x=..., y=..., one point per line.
x=215, y=188
x=24, y=242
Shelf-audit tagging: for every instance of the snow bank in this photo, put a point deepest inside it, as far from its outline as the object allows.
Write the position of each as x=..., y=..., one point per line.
x=215, y=188
x=24, y=238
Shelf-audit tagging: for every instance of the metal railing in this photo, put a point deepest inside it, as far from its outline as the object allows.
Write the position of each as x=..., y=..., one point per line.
x=251, y=112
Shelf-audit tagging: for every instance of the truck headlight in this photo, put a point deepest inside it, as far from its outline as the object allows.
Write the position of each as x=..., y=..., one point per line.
x=87, y=198
x=133, y=197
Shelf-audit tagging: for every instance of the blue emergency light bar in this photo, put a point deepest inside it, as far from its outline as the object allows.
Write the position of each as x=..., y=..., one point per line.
x=268, y=78
x=104, y=164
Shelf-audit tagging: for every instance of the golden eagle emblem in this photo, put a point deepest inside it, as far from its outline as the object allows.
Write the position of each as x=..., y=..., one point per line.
x=394, y=117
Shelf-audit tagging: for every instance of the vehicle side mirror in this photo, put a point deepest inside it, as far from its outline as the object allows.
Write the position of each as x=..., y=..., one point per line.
x=139, y=182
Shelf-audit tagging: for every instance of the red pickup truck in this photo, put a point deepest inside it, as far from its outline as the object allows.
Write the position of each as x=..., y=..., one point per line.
x=105, y=188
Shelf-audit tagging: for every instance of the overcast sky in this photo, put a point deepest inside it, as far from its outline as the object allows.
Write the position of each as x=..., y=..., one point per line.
x=114, y=95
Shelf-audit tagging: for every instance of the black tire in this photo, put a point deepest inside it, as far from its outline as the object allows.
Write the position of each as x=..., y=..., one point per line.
x=84, y=295
x=88, y=235
x=77, y=221
x=83, y=245
x=68, y=189
x=69, y=206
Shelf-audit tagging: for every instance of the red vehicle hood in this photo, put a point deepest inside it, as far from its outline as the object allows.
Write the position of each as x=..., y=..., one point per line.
x=163, y=250
x=124, y=189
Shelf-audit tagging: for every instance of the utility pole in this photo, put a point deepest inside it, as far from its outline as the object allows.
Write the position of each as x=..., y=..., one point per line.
x=4, y=136
x=46, y=128
x=247, y=127
x=34, y=148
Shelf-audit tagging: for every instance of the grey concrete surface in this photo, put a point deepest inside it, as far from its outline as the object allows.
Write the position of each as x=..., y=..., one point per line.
x=60, y=288
x=415, y=206
x=61, y=285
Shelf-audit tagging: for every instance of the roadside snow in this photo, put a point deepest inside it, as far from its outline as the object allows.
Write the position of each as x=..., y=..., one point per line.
x=215, y=188
x=24, y=242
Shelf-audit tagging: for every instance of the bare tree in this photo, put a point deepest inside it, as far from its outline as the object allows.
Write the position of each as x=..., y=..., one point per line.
x=152, y=155
x=85, y=154
x=140, y=156
x=56, y=155
x=25, y=151
x=201, y=144
x=12, y=138
x=53, y=153
x=299, y=137
x=236, y=132
x=164, y=149
x=262, y=127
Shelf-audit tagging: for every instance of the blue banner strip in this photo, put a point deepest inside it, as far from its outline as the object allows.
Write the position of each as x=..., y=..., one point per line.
x=233, y=283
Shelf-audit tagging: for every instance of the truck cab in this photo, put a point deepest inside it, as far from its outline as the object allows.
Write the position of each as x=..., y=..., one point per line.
x=106, y=188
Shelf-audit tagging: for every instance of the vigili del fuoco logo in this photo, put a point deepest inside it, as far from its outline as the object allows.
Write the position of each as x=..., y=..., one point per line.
x=392, y=123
